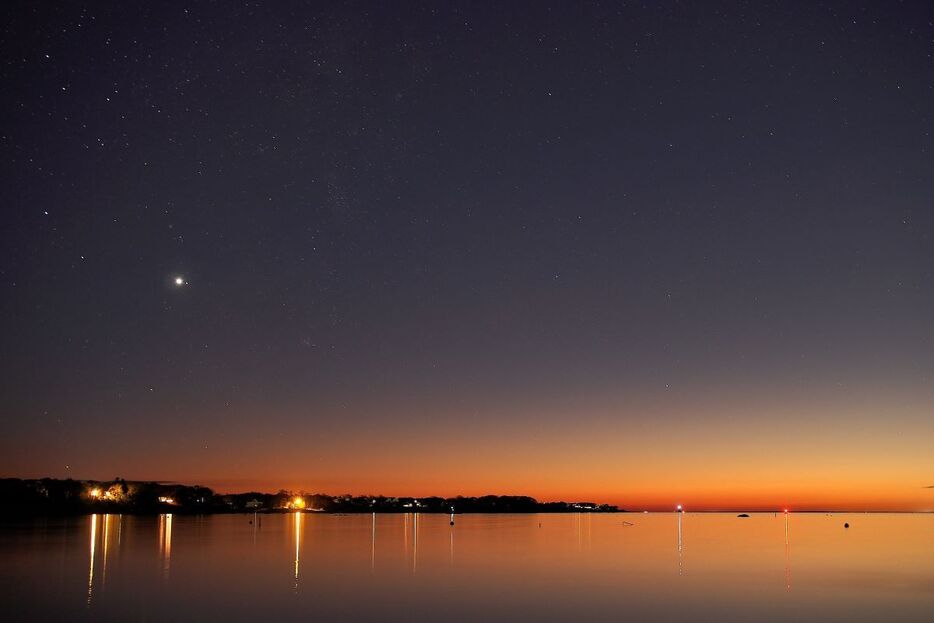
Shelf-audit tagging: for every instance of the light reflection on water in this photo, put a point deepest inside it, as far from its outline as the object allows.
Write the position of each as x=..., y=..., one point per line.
x=298, y=522
x=93, y=541
x=676, y=566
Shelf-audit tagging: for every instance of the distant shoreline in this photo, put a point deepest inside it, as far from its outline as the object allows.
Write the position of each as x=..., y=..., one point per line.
x=50, y=496
x=83, y=497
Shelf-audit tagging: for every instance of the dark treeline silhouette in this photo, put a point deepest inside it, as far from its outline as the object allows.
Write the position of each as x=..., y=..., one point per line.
x=51, y=496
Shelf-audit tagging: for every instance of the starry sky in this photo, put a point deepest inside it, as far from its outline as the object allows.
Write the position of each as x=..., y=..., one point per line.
x=642, y=253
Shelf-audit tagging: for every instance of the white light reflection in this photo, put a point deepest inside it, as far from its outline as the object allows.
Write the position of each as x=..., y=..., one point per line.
x=680, y=542
x=104, y=537
x=414, y=541
x=787, y=554
x=93, y=548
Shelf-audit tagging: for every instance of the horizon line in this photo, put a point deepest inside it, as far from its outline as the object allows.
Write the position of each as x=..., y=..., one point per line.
x=649, y=508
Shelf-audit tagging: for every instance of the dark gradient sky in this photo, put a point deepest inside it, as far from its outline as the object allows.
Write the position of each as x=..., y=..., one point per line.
x=679, y=251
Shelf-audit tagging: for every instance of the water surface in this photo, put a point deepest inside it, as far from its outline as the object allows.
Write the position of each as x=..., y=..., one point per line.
x=487, y=567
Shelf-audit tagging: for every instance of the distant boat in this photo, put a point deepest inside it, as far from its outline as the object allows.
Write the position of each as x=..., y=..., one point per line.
x=742, y=515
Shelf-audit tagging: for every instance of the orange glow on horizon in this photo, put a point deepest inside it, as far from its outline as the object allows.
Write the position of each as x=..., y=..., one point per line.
x=744, y=452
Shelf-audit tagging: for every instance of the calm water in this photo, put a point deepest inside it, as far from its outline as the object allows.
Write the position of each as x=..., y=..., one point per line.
x=486, y=568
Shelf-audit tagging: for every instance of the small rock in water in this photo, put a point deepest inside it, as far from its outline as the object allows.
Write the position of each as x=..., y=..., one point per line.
x=846, y=525
x=742, y=515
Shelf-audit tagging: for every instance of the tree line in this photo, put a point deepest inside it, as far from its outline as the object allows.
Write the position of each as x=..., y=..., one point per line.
x=54, y=496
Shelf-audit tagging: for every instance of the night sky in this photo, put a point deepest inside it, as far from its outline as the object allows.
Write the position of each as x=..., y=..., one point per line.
x=642, y=253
